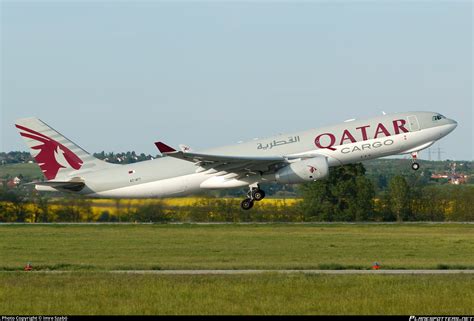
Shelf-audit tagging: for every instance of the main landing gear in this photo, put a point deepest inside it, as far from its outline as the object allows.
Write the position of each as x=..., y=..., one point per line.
x=414, y=165
x=254, y=194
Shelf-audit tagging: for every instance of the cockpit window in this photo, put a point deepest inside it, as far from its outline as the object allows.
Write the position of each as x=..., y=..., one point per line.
x=438, y=117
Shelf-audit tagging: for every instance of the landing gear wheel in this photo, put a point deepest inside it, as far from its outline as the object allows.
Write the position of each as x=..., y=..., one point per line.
x=246, y=204
x=414, y=165
x=258, y=195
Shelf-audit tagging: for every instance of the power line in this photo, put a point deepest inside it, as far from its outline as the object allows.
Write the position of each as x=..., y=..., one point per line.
x=440, y=151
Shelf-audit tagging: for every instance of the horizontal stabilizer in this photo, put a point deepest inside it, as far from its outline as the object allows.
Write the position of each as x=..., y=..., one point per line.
x=75, y=186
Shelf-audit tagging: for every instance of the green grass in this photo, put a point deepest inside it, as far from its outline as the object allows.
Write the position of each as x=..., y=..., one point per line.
x=87, y=251
x=106, y=293
x=136, y=247
x=26, y=169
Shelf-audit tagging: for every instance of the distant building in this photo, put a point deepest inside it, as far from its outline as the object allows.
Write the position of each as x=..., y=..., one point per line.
x=439, y=176
x=14, y=182
x=459, y=179
x=452, y=179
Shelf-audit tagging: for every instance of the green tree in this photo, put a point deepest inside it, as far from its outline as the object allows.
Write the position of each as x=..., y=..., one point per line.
x=16, y=211
x=318, y=202
x=41, y=207
x=346, y=195
x=399, y=197
x=104, y=217
x=74, y=209
x=151, y=212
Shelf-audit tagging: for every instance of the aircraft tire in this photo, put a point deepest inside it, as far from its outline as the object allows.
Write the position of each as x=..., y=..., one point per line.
x=258, y=195
x=415, y=166
x=246, y=204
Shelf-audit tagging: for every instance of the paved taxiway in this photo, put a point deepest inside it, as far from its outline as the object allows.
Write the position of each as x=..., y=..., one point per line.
x=230, y=272
x=197, y=272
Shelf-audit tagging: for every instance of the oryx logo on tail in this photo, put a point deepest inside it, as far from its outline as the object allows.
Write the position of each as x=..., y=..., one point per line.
x=48, y=152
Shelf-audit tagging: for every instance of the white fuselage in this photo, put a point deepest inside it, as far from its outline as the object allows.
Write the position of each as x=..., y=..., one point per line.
x=350, y=142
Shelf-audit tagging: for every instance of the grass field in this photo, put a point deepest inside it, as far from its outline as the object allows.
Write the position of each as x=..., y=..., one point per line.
x=29, y=170
x=86, y=252
x=104, y=293
x=274, y=246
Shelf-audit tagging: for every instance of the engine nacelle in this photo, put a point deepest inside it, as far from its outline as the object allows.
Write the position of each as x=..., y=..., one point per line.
x=306, y=170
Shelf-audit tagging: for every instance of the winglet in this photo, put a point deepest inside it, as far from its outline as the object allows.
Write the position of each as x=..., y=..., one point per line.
x=163, y=148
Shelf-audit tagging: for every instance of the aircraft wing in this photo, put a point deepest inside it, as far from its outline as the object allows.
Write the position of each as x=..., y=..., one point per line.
x=233, y=164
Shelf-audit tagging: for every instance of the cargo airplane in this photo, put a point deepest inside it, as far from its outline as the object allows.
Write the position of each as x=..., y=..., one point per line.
x=287, y=159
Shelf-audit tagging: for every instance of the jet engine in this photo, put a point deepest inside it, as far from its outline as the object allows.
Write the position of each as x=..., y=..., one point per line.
x=302, y=171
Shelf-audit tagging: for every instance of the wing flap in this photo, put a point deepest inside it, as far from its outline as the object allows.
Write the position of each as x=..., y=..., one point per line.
x=210, y=158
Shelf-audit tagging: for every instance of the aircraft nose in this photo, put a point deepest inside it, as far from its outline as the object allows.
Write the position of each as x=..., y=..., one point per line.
x=452, y=125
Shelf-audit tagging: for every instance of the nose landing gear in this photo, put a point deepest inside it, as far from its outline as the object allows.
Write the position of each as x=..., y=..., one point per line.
x=414, y=165
x=254, y=194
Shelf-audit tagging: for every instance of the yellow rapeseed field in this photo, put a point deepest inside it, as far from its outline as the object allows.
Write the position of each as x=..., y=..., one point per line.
x=178, y=201
x=113, y=206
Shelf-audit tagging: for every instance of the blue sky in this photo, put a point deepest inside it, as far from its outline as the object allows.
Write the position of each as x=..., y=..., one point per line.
x=117, y=76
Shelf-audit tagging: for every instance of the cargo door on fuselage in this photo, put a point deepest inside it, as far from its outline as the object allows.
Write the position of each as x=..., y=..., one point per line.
x=410, y=139
x=413, y=123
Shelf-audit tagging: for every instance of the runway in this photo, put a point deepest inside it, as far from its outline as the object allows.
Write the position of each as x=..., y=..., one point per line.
x=237, y=272
x=230, y=272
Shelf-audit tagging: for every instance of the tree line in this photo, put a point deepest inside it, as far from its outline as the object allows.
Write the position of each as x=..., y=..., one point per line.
x=16, y=157
x=347, y=195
